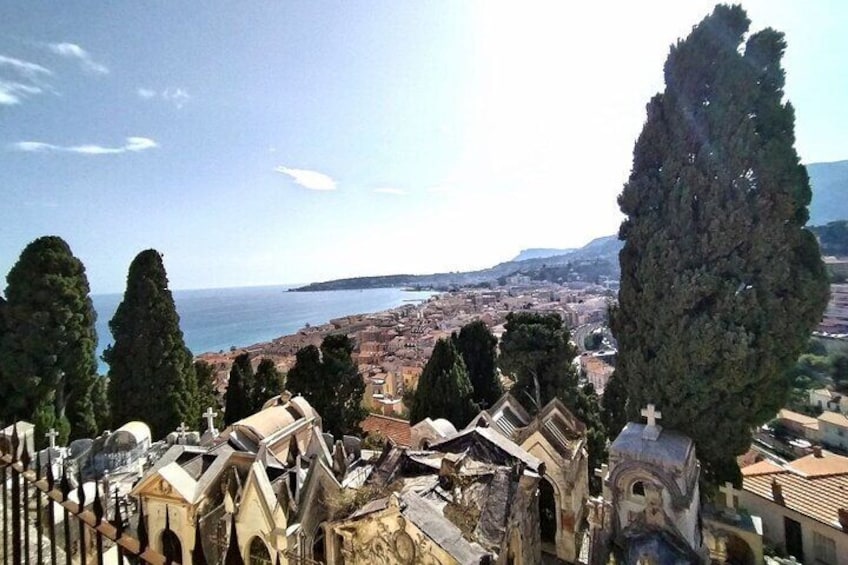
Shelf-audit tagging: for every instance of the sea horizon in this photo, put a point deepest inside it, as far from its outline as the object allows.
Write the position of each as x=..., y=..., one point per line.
x=218, y=319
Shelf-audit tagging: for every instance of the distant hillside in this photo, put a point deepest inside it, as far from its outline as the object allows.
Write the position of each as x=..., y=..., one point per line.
x=597, y=258
x=829, y=182
x=540, y=253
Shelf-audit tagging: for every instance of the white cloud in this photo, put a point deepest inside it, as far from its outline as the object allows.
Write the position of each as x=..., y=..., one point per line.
x=133, y=144
x=74, y=51
x=438, y=189
x=396, y=191
x=312, y=180
x=177, y=96
x=13, y=92
x=25, y=68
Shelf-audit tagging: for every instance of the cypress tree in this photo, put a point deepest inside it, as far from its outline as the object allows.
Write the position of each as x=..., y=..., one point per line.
x=47, y=347
x=330, y=381
x=478, y=348
x=151, y=373
x=535, y=347
x=444, y=389
x=237, y=399
x=720, y=282
x=268, y=383
x=207, y=396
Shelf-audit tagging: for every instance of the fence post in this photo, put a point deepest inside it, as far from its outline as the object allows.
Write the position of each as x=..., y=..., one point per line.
x=25, y=461
x=65, y=486
x=5, y=478
x=39, y=557
x=16, y=499
x=51, y=508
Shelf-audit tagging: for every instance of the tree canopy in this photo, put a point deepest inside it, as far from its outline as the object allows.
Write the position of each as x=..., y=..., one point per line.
x=330, y=381
x=238, y=398
x=267, y=383
x=535, y=349
x=151, y=372
x=47, y=347
x=444, y=389
x=479, y=349
x=720, y=282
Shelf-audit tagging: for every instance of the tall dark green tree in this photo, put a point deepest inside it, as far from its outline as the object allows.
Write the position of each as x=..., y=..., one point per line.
x=238, y=398
x=535, y=349
x=478, y=348
x=151, y=372
x=444, y=389
x=720, y=281
x=330, y=381
x=268, y=383
x=47, y=359
x=207, y=396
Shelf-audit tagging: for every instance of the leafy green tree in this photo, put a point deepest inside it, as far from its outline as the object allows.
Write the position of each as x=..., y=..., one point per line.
x=535, y=350
x=444, y=389
x=238, y=398
x=267, y=384
x=330, y=381
x=151, y=372
x=47, y=349
x=720, y=282
x=207, y=396
x=478, y=348
x=593, y=341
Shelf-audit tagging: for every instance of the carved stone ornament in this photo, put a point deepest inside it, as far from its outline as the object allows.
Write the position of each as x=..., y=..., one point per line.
x=404, y=547
x=164, y=487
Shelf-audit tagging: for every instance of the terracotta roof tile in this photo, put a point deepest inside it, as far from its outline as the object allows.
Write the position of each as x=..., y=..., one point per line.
x=392, y=428
x=834, y=418
x=816, y=487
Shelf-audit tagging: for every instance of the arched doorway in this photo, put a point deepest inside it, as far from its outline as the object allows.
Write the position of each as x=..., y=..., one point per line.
x=738, y=551
x=172, y=548
x=547, y=512
x=257, y=553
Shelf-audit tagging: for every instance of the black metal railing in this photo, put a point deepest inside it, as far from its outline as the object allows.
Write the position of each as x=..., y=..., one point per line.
x=30, y=502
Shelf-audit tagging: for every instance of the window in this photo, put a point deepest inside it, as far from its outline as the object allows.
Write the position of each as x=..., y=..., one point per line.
x=638, y=489
x=824, y=549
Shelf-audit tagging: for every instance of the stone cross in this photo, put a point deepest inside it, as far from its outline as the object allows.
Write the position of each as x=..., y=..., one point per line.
x=651, y=431
x=182, y=429
x=728, y=491
x=210, y=419
x=652, y=415
x=602, y=471
x=51, y=436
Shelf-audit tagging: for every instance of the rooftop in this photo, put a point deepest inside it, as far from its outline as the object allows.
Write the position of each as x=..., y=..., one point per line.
x=815, y=486
x=670, y=448
x=394, y=429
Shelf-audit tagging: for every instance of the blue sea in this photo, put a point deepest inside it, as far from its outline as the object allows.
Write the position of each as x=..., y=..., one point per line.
x=217, y=319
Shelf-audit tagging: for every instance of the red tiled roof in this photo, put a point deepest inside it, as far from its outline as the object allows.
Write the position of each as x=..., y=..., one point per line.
x=392, y=428
x=813, y=486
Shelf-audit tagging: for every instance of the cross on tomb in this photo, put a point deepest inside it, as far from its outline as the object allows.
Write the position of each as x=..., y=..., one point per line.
x=51, y=436
x=728, y=491
x=210, y=419
x=182, y=429
x=602, y=471
x=652, y=414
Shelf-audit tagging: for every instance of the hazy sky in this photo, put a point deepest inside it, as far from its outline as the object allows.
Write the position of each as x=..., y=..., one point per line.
x=277, y=142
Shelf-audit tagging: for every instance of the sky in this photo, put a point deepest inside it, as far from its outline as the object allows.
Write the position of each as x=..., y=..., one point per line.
x=258, y=143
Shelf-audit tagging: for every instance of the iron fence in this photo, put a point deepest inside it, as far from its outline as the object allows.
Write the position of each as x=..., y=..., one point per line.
x=35, y=506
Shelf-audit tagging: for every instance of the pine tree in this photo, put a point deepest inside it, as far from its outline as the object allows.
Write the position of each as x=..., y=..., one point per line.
x=151, y=373
x=237, y=399
x=720, y=282
x=444, y=389
x=478, y=348
x=47, y=360
x=535, y=349
x=268, y=383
